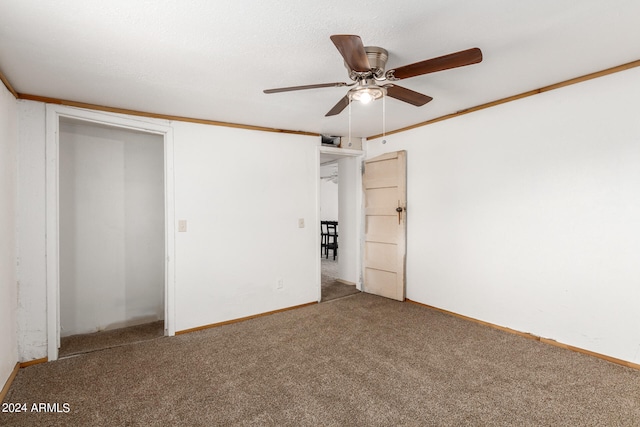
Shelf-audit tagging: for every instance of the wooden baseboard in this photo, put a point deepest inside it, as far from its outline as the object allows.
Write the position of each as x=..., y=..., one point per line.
x=535, y=337
x=33, y=362
x=16, y=368
x=242, y=319
x=345, y=282
x=7, y=384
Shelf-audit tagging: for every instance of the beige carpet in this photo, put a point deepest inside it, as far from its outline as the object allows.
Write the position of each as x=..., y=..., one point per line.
x=357, y=361
x=84, y=343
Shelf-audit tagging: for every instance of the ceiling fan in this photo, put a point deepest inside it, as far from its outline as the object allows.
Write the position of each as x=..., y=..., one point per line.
x=366, y=66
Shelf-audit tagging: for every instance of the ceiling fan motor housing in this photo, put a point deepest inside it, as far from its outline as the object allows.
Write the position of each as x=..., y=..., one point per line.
x=377, y=57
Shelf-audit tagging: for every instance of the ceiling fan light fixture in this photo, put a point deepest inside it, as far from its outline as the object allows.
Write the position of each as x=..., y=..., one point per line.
x=366, y=94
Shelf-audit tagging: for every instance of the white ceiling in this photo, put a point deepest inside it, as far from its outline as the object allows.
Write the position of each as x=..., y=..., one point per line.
x=211, y=59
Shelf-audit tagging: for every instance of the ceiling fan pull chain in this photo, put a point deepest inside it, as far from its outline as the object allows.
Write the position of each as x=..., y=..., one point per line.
x=384, y=118
x=349, y=120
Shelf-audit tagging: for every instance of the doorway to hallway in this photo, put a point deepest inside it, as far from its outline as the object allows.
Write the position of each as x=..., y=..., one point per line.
x=339, y=202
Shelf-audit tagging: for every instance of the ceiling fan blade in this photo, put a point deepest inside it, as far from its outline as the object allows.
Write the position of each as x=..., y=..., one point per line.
x=337, y=109
x=453, y=60
x=352, y=50
x=407, y=95
x=316, y=86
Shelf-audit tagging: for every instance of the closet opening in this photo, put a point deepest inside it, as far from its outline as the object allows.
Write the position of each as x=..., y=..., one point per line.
x=111, y=219
x=109, y=231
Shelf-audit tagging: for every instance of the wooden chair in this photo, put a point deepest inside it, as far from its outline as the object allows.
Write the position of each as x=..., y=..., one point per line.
x=324, y=237
x=332, y=239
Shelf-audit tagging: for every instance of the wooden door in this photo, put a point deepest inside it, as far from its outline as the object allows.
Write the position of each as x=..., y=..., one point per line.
x=385, y=200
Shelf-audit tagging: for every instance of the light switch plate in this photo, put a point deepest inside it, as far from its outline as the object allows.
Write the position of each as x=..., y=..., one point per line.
x=182, y=225
x=300, y=222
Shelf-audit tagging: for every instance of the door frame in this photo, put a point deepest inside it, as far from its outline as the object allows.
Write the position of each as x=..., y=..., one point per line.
x=356, y=157
x=53, y=115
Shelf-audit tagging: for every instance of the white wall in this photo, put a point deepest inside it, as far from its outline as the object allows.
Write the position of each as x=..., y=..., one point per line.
x=111, y=227
x=328, y=193
x=526, y=215
x=242, y=214
x=31, y=220
x=242, y=219
x=8, y=185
